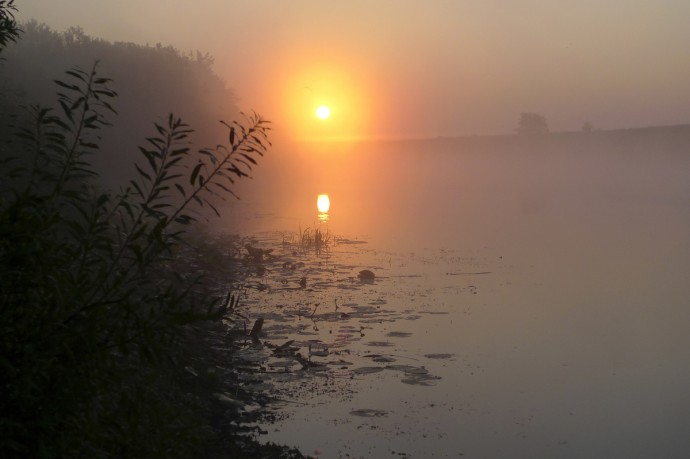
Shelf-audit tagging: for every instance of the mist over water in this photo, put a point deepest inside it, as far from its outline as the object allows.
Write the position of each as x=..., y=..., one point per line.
x=526, y=295
x=579, y=334
x=436, y=194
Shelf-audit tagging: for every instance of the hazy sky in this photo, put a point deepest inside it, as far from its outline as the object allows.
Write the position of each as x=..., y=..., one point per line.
x=412, y=68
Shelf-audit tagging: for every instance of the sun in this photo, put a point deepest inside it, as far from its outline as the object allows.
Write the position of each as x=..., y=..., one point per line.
x=323, y=203
x=323, y=112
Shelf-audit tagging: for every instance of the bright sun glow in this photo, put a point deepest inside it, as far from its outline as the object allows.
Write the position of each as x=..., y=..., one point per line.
x=323, y=112
x=307, y=91
x=323, y=203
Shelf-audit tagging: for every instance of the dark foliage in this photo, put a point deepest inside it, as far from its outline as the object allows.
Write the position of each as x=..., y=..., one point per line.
x=151, y=80
x=100, y=329
x=9, y=30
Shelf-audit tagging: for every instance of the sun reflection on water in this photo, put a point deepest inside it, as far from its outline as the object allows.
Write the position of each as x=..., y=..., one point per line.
x=323, y=205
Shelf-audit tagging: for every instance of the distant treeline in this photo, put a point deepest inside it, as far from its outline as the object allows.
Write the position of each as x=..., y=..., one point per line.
x=653, y=140
x=151, y=82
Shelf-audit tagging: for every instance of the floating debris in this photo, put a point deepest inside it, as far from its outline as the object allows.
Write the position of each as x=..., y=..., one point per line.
x=419, y=376
x=397, y=334
x=316, y=338
x=367, y=370
x=420, y=380
x=380, y=358
x=256, y=254
x=439, y=356
x=318, y=350
x=308, y=364
x=366, y=276
x=284, y=349
x=380, y=344
x=417, y=371
x=369, y=413
x=284, y=364
x=230, y=401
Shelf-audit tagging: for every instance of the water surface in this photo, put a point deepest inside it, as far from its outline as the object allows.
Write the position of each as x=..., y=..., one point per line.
x=528, y=302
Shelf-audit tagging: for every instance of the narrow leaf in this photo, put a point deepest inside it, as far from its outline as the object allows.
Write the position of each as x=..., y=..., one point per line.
x=195, y=173
x=141, y=172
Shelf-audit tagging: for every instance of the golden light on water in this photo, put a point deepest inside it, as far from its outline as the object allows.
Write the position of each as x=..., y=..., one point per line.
x=323, y=203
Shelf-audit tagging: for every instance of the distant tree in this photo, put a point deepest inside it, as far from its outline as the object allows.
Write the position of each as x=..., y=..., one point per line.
x=532, y=124
x=587, y=127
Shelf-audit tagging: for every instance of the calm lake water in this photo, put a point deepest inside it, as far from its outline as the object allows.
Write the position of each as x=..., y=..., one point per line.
x=528, y=302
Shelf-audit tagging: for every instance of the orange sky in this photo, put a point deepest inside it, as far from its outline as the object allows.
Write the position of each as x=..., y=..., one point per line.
x=403, y=68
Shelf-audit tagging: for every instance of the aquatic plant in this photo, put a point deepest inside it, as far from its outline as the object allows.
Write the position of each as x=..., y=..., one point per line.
x=102, y=325
x=314, y=239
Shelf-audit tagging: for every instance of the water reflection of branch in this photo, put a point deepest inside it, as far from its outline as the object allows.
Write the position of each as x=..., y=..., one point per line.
x=311, y=317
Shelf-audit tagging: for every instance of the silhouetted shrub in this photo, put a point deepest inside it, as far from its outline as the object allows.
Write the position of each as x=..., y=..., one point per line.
x=98, y=319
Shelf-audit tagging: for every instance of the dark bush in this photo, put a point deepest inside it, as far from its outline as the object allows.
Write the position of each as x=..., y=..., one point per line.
x=98, y=322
